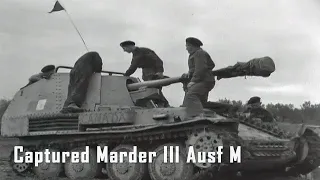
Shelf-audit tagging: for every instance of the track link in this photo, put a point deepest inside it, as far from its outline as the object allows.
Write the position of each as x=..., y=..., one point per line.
x=182, y=133
x=312, y=160
x=171, y=135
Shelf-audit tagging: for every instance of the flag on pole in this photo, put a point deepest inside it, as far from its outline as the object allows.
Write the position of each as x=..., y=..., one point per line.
x=57, y=7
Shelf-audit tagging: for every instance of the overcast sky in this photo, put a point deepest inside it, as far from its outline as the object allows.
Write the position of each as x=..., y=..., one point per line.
x=286, y=30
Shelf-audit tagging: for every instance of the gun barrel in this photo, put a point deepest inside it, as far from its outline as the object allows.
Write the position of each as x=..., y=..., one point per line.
x=154, y=83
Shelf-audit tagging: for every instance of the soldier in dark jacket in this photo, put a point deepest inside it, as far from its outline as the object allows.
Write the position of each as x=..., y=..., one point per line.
x=201, y=81
x=257, y=111
x=147, y=60
x=80, y=76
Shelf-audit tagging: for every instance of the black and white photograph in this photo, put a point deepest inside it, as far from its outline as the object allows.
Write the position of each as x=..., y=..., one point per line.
x=159, y=90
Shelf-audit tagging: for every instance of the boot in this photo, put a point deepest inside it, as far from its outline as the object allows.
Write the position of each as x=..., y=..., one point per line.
x=72, y=108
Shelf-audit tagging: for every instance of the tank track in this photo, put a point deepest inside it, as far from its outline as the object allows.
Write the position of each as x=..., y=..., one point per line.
x=176, y=134
x=312, y=160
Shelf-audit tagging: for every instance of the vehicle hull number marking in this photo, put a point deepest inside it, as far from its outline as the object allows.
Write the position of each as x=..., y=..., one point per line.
x=106, y=117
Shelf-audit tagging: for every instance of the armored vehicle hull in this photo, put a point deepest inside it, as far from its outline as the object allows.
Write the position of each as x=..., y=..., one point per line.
x=122, y=113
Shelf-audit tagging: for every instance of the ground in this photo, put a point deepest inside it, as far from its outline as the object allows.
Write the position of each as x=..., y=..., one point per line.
x=5, y=170
x=6, y=145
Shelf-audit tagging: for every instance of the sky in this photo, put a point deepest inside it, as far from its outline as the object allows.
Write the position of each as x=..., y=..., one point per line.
x=231, y=30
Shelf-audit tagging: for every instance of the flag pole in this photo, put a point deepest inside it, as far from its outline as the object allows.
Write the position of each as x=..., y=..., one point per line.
x=59, y=7
x=77, y=30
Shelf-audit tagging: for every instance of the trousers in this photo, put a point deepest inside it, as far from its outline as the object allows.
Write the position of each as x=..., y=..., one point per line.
x=80, y=77
x=78, y=85
x=196, y=96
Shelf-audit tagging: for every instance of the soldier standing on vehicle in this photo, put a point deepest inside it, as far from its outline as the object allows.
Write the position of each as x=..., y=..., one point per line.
x=80, y=76
x=147, y=60
x=200, y=79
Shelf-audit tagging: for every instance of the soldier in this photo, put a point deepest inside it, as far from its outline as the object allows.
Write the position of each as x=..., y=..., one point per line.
x=80, y=75
x=255, y=109
x=148, y=60
x=45, y=73
x=200, y=79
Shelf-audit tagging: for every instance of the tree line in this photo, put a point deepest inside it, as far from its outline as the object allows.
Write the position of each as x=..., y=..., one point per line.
x=306, y=113
x=4, y=103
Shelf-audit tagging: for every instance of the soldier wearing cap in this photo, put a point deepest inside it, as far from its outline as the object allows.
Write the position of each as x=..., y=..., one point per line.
x=147, y=60
x=45, y=73
x=200, y=79
x=254, y=101
x=255, y=109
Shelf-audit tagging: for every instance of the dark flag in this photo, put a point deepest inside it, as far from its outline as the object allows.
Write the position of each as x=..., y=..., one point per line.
x=57, y=7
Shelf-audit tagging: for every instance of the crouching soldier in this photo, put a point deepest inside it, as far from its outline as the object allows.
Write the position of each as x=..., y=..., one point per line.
x=255, y=109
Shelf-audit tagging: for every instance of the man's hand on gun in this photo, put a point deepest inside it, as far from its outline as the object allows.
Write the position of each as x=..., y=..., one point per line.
x=185, y=79
x=185, y=76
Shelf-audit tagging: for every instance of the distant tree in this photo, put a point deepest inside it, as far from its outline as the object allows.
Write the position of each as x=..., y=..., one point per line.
x=233, y=102
x=306, y=113
x=225, y=100
x=4, y=103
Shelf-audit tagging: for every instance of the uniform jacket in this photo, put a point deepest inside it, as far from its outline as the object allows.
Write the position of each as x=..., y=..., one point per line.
x=146, y=59
x=200, y=66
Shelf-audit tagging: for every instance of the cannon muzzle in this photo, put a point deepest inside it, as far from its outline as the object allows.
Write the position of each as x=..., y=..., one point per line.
x=154, y=83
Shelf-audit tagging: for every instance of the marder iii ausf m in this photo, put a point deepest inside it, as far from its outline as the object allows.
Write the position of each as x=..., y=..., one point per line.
x=122, y=112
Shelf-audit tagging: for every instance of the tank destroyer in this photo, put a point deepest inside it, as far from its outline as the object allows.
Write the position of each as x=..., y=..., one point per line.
x=122, y=113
